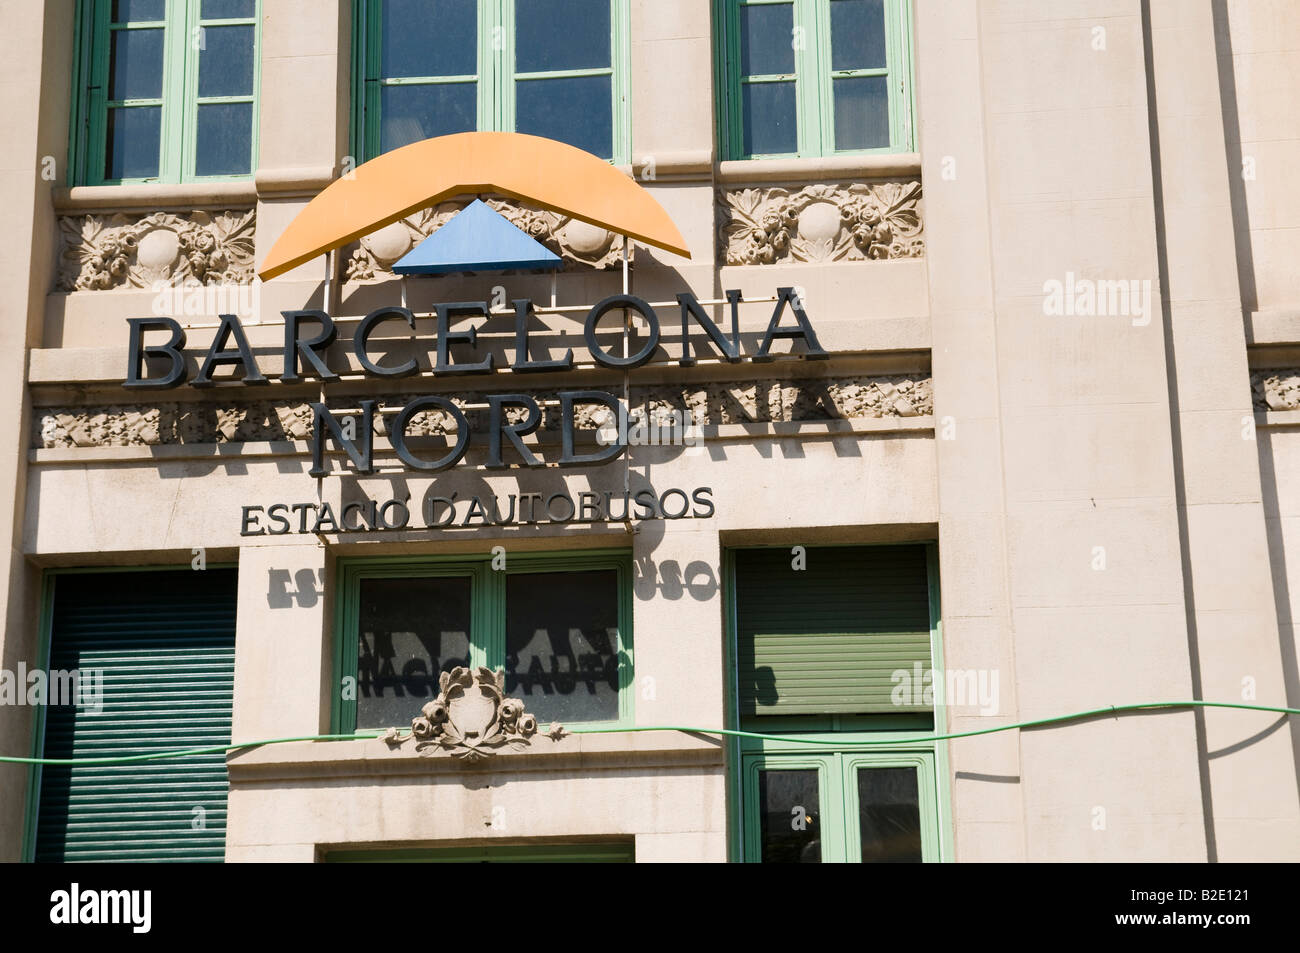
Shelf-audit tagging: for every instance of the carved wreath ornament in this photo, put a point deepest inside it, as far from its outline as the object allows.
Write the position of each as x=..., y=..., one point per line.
x=124, y=251
x=855, y=222
x=471, y=718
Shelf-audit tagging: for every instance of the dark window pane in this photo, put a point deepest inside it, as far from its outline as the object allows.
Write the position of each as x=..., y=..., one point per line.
x=411, y=113
x=133, y=142
x=789, y=817
x=562, y=644
x=409, y=630
x=224, y=139
x=889, y=815
x=561, y=34
x=226, y=61
x=861, y=112
x=420, y=38
x=139, y=11
x=226, y=9
x=577, y=110
x=768, y=118
x=857, y=34
x=766, y=39
x=135, y=69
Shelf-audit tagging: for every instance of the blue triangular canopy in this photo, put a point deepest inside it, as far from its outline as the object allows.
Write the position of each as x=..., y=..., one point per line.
x=477, y=239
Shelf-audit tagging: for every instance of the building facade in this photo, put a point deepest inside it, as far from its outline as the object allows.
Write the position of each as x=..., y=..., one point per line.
x=878, y=371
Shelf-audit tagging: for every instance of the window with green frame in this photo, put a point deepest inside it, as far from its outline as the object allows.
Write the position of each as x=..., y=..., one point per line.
x=814, y=77
x=166, y=91
x=834, y=644
x=558, y=624
x=531, y=853
x=553, y=68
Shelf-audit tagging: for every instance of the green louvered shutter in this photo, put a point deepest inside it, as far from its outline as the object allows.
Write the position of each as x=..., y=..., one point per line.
x=165, y=642
x=827, y=639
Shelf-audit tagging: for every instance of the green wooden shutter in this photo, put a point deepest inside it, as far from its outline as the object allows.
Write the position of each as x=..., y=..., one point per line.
x=827, y=639
x=165, y=642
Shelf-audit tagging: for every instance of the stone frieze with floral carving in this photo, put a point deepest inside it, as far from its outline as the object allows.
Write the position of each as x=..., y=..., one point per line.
x=857, y=221
x=105, y=252
x=718, y=403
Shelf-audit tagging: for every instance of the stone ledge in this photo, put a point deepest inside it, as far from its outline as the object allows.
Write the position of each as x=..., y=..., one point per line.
x=265, y=183
x=679, y=166
x=818, y=169
x=1270, y=328
x=370, y=757
x=92, y=198
x=1276, y=419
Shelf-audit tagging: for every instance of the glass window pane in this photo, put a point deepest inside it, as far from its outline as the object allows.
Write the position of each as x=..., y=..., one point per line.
x=138, y=11
x=226, y=9
x=419, y=38
x=134, y=136
x=577, y=110
x=409, y=630
x=135, y=69
x=411, y=113
x=562, y=644
x=766, y=39
x=861, y=112
x=561, y=35
x=789, y=817
x=858, y=34
x=224, y=139
x=889, y=815
x=768, y=119
x=226, y=61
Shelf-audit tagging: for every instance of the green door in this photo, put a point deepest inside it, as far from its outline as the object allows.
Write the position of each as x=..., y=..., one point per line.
x=163, y=642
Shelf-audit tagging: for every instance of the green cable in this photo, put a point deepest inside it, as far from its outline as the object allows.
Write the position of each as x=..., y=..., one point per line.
x=1036, y=723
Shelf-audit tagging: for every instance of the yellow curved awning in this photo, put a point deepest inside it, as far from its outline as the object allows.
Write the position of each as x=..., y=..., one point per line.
x=543, y=172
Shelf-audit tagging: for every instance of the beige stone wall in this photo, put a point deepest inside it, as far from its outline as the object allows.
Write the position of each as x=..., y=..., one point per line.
x=1096, y=438
x=1259, y=70
x=1257, y=64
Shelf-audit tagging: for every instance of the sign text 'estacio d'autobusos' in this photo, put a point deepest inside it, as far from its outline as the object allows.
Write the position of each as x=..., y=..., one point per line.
x=230, y=347
x=441, y=512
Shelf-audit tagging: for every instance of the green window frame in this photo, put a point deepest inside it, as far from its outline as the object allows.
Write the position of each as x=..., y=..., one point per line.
x=488, y=608
x=814, y=77
x=184, y=38
x=837, y=819
x=496, y=76
x=898, y=740
x=623, y=852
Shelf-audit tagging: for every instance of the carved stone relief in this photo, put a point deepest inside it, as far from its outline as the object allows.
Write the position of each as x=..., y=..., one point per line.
x=1276, y=389
x=100, y=252
x=373, y=257
x=842, y=222
x=471, y=718
x=755, y=401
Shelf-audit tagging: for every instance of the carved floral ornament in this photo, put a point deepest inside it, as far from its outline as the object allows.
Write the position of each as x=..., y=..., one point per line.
x=853, y=222
x=706, y=403
x=141, y=251
x=471, y=718
x=372, y=258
